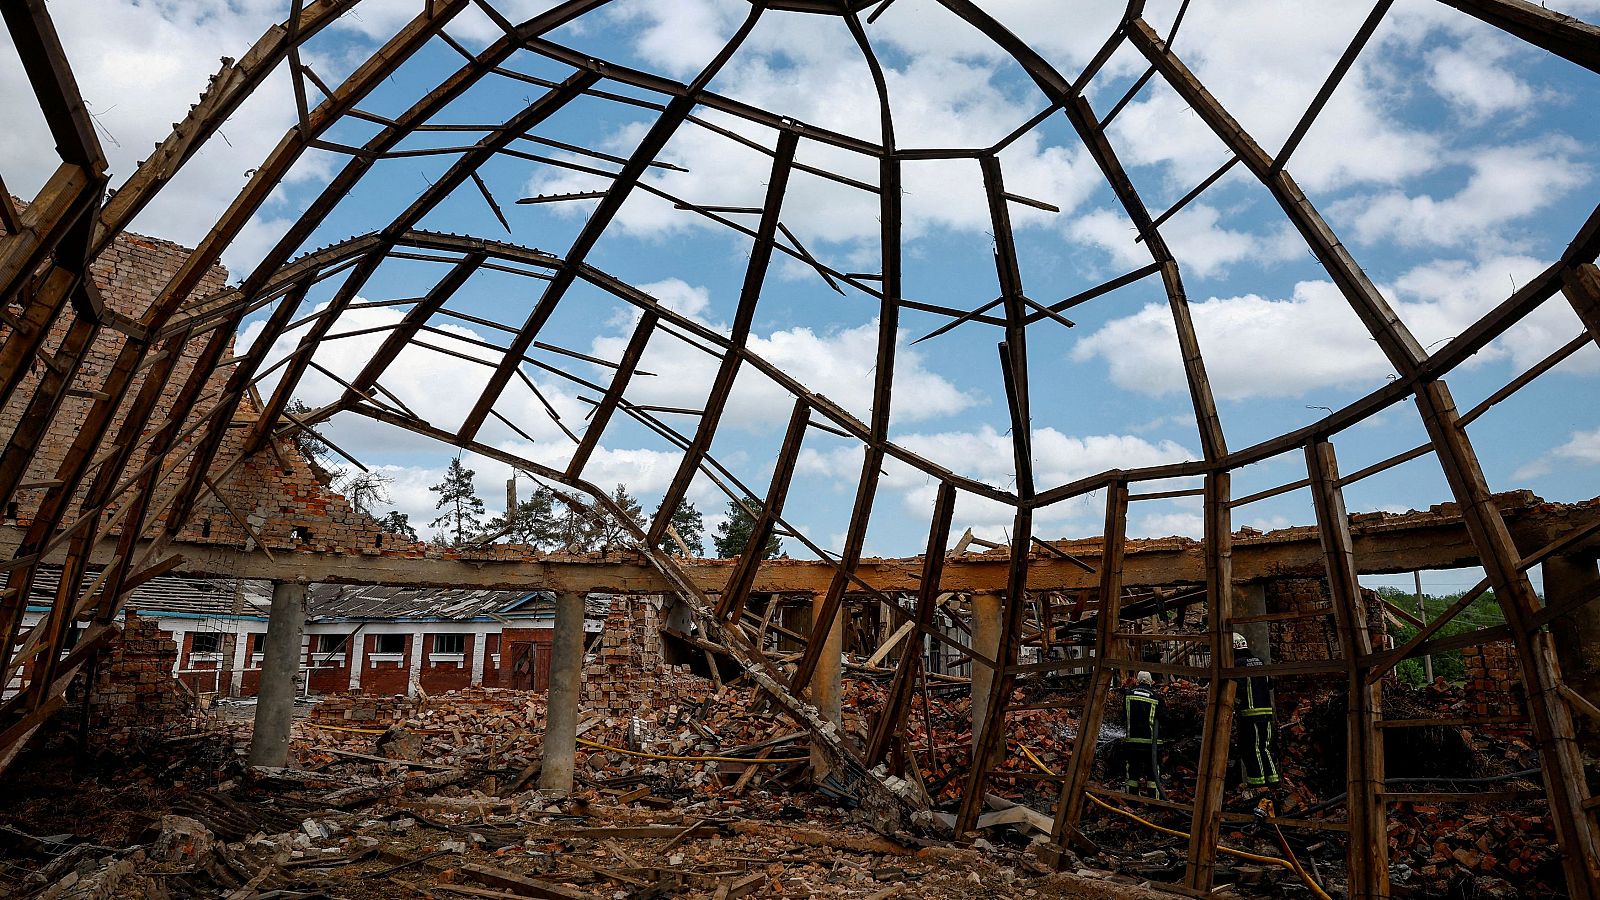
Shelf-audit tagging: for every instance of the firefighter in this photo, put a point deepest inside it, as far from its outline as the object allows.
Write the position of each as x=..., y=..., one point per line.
x=1141, y=748
x=1254, y=712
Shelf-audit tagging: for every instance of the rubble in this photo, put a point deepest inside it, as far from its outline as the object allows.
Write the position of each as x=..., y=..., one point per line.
x=431, y=796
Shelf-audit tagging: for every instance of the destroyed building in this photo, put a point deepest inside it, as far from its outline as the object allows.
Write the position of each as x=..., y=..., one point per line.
x=225, y=675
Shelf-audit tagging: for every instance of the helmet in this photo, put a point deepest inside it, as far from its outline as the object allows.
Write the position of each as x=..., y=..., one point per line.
x=1144, y=678
x=1239, y=643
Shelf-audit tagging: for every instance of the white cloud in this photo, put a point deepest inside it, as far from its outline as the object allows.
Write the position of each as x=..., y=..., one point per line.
x=1581, y=449
x=1275, y=347
x=1472, y=77
x=1202, y=246
x=838, y=364
x=1507, y=184
x=1287, y=347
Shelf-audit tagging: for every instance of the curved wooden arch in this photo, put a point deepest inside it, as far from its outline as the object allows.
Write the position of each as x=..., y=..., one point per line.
x=45, y=253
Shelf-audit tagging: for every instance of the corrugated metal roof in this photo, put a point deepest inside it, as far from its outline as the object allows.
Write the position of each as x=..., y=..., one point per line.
x=169, y=593
x=204, y=597
x=336, y=601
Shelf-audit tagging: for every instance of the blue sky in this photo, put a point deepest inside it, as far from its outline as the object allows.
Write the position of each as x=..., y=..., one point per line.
x=1454, y=162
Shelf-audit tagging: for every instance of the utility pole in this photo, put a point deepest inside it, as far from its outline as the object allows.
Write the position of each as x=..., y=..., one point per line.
x=1422, y=616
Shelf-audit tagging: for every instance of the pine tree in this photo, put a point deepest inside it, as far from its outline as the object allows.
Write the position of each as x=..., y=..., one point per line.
x=734, y=534
x=614, y=532
x=532, y=524
x=690, y=526
x=463, y=509
x=397, y=522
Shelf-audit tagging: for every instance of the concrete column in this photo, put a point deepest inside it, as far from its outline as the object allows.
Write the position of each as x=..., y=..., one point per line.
x=566, y=684
x=480, y=652
x=1577, y=635
x=414, y=674
x=358, y=658
x=986, y=623
x=280, y=664
x=241, y=643
x=1250, y=599
x=177, y=661
x=825, y=679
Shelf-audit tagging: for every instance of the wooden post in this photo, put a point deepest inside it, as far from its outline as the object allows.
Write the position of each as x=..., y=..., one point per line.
x=1069, y=806
x=1581, y=284
x=1367, y=851
x=1206, y=826
x=1548, y=711
x=891, y=719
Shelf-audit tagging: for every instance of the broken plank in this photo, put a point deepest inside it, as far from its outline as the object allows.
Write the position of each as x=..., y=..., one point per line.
x=518, y=885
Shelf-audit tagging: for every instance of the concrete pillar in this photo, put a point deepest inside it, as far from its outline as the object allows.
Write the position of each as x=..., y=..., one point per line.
x=1250, y=599
x=1577, y=635
x=986, y=622
x=241, y=644
x=280, y=668
x=825, y=679
x=566, y=684
x=358, y=658
x=417, y=646
x=480, y=653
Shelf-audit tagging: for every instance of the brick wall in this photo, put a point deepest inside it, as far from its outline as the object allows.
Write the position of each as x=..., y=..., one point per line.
x=1314, y=637
x=134, y=694
x=625, y=670
x=278, y=494
x=1494, y=680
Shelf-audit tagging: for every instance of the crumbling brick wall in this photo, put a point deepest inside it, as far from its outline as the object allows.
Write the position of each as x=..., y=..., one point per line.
x=278, y=493
x=1494, y=681
x=134, y=695
x=1314, y=636
x=625, y=669
x=367, y=710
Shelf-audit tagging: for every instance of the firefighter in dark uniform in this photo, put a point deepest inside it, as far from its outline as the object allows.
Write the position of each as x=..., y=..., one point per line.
x=1257, y=719
x=1141, y=748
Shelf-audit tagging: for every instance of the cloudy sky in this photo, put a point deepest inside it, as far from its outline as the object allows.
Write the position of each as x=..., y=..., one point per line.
x=1454, y=162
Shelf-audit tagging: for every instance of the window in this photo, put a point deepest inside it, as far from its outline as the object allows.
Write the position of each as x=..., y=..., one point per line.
x=450, y=643
x=206, y=642
x=389, y=643
x=331, y=643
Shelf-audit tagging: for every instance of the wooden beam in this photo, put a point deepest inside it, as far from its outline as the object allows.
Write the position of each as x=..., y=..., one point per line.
x=1217, y=723
x=1549, y=715
x=897, y=702
x=737, y=590
x=1367, y=853
x=1073, y=797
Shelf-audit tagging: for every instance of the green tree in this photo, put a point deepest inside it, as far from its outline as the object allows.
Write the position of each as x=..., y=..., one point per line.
x=1481, y=613
x=463, y=508
x=575, y=526
x=735, y=533
x=690, y=526
x=397, y=522
x=613, y=531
